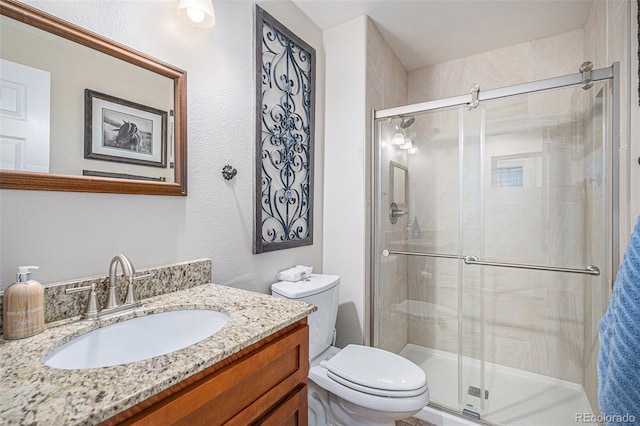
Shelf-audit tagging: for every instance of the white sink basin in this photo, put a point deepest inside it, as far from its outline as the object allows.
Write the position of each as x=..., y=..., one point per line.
x=137, y=339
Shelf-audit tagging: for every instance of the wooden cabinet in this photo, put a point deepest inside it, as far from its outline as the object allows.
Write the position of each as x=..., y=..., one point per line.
x=291, y=412
x=263, y=384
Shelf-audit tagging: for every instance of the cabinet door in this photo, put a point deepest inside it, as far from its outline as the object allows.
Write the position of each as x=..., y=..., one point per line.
x=291, y=412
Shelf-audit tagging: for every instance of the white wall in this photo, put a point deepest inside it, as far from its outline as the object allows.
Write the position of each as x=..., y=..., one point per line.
x=344, y=197
x=74, y=235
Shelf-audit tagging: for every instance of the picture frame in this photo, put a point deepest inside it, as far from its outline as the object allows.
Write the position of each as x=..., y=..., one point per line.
x=124, y=131
x=285, y=128
x=97, y=173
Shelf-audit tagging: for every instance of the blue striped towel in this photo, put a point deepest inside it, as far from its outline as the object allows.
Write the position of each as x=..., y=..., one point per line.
x=619, y=359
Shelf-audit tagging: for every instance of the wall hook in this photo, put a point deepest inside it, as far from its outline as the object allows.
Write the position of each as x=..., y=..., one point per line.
x=229, y=172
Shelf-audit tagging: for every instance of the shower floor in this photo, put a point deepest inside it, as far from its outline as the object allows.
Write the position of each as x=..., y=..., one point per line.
x=516, y=397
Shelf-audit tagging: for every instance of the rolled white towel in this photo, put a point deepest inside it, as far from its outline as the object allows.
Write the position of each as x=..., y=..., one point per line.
x=297, y=273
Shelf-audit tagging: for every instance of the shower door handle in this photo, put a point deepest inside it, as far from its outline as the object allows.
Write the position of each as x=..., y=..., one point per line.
x=386, y=253
x=473, y=260
x=589, y=270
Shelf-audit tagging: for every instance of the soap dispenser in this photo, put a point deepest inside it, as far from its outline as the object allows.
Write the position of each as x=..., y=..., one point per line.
x=23, y=306
x=415, y=228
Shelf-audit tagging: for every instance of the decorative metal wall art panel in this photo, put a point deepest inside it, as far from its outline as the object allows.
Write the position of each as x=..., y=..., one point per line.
x=285, y=92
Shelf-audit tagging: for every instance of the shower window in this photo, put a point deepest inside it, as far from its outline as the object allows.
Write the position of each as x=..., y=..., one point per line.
x=508, y=177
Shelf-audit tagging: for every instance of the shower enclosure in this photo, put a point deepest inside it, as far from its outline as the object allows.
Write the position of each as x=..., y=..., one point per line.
x=492, y=252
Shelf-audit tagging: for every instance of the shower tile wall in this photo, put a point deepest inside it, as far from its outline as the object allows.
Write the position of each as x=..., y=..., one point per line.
x=528, y=61
x=517, y=300
x=386, y=81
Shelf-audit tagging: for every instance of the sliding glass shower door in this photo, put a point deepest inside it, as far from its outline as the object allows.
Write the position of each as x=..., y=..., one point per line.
x=492, y=250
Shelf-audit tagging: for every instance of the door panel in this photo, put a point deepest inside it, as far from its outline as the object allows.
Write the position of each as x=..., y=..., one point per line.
x=24, y=117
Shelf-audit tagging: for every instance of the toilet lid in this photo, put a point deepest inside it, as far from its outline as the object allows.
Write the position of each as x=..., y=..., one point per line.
x=375, y=368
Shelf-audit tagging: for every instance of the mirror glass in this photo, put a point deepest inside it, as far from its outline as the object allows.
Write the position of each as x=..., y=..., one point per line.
x=398, y=178
x=90, y=115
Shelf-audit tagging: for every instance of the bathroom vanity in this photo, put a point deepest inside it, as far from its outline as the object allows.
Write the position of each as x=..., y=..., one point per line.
x=263, y=384
x=252, y=371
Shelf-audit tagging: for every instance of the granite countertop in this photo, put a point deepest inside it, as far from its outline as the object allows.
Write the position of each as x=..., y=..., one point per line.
x=34, y=394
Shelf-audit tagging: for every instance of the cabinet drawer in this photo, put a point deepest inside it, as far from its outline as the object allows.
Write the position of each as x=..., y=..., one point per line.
x=291, y=412
x=236, y=393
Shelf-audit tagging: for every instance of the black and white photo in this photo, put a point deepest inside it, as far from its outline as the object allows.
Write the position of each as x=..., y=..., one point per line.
x=124, y=131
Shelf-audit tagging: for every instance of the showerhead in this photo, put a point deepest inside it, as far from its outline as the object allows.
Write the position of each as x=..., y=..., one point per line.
x=407, y=122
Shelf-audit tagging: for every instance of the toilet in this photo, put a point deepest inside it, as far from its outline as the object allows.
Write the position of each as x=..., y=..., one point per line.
x=357, y=385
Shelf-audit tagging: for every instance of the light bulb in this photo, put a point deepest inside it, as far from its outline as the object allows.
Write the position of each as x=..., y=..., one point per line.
x=412, y=150
x=397, y=139
x=196, y=15
x=408, y=144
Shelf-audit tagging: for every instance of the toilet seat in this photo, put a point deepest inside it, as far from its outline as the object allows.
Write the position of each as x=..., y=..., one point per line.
x=405, y=405
x=374, y=391
x=376, y=372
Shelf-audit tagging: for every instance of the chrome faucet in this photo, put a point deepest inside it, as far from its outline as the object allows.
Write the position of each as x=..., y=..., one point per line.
x=114, y=305
x=113, y=301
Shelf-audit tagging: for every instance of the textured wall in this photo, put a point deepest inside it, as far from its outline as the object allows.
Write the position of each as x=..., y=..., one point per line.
x=73, y=235
x=344, y=227
x=362, y=73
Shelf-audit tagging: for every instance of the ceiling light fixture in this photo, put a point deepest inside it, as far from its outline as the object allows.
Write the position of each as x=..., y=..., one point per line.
x=198, y=13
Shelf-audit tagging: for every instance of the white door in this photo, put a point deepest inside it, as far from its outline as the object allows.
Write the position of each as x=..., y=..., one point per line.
x=25, y=95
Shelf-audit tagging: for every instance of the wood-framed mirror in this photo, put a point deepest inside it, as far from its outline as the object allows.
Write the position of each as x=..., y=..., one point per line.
x=96, y=131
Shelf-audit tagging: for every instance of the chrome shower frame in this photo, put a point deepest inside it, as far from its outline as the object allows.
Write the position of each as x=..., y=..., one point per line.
x=612, y=165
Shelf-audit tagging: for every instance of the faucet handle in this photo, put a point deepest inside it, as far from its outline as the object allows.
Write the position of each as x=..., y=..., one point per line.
x=142, y=276
x=92, y=309
x=131, y=298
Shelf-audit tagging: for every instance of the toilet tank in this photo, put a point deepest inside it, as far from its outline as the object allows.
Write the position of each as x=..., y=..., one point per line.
x=320, y=290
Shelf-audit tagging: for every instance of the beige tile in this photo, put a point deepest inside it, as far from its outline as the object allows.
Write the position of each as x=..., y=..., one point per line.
x=557, y=55
x=389, y=76
x=386, y=82
x=595, y=48
x=424, y=85
x=457, y=76
x=505, y=67
x=401, y=83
